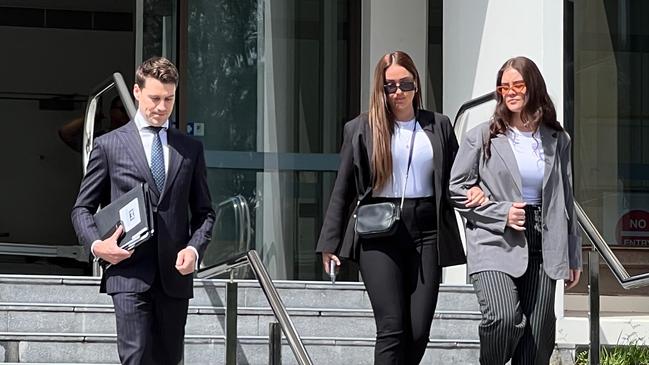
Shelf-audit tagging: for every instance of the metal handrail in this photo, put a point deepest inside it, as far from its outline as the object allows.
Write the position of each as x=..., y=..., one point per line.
x=266, y=283
x=600, y=248
x=627, y=281
x=117, y=81
x=472, y=104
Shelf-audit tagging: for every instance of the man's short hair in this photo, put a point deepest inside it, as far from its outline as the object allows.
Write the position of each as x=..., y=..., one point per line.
x=158, y=68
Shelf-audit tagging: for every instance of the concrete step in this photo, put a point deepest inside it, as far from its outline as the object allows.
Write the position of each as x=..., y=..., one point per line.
x=57, y=349
x=57, y=320
x=343, y=295
x=99, y=319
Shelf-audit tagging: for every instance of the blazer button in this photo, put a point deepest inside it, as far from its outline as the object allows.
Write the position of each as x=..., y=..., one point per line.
x=155, y=209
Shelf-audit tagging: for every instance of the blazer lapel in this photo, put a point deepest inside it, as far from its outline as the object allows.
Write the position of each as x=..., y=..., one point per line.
x=362, y=155
x=175, y=159
x=435, y=136
x=501, y=146
x=130, y=136
x=549, y=143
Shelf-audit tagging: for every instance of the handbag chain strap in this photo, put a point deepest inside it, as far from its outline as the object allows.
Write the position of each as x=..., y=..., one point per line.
x=412, y=146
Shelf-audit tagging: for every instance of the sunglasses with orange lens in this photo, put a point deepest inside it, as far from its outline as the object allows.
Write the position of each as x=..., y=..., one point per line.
x=519, y=87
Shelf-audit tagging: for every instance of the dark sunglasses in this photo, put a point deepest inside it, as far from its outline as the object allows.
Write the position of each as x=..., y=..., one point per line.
x=391, y=87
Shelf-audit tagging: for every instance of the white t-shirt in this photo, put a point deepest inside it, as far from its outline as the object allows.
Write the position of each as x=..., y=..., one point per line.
x=420, y=179
x=530, y=159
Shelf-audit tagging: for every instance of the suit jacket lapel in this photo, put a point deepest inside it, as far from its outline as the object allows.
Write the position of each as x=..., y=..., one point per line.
x=500, y=145
x=175, y=159
x=130, y=136
x=549, y=143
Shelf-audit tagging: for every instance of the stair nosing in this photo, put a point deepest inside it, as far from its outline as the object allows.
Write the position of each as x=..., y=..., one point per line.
x=72, y=337
x=108, y=308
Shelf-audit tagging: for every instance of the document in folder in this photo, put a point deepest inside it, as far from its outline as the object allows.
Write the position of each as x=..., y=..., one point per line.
x=133, y=212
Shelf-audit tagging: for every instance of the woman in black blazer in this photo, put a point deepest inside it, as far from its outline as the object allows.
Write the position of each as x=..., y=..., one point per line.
x=401, y=272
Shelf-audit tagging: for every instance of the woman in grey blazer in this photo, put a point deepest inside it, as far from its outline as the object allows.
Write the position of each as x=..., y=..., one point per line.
x=526, y=237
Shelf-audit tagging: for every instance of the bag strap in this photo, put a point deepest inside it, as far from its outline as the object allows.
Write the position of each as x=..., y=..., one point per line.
x=412, y=146
x=403, y=194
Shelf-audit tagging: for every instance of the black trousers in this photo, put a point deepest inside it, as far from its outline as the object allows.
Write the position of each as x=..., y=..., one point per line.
x=150, y=327
x=402, y=276
x=518, y=320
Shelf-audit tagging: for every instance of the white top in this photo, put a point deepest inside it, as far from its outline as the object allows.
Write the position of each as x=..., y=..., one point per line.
x=420, y=179
x=530, y=158
x=146, y=135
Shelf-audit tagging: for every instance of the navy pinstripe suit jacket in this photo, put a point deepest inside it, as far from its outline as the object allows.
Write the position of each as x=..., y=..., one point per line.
x=183, y=211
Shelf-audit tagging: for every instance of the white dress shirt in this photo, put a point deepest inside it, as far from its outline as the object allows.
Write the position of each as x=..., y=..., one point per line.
x=420, y=179
x=147, y=135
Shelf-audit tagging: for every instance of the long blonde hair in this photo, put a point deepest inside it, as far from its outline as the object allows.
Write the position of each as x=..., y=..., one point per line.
x=381, y=118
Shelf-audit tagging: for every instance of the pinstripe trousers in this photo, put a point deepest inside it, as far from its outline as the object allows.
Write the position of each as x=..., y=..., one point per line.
x=518, y=320
x=150, y=327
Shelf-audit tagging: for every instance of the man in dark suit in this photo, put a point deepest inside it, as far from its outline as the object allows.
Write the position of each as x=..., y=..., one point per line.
x=151, y=285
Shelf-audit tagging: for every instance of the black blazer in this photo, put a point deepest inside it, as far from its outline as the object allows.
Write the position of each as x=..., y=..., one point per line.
x=183, y=211
x=337, y=234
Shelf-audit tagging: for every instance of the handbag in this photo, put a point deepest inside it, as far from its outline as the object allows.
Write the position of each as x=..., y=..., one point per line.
x=381, y=219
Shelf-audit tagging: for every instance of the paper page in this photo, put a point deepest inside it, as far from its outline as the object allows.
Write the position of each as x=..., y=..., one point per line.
x=130, y=215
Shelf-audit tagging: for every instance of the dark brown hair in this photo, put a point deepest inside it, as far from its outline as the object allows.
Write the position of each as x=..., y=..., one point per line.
x=381, y=118
x=538, y=105
x=158, y=68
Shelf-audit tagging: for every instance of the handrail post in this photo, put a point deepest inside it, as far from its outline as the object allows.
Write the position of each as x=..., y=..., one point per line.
x=274, y=344
x=231, y=322
x=279, y=310
x=593, y=294
x=270, y=291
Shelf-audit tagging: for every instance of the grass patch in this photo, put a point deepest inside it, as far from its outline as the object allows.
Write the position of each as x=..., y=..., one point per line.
x=635, y=352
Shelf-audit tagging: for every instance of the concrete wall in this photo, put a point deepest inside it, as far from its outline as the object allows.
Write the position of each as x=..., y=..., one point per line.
x=390, y=26
x=480, y=35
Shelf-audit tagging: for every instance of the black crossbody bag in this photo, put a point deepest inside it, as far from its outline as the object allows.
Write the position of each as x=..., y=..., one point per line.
x=381, y=219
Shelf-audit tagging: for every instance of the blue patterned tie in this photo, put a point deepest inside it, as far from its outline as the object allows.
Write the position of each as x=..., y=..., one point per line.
x=157, y=159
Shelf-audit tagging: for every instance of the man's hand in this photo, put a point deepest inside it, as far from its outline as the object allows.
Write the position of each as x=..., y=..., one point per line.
x=186, y=261
x=516, y=217
x=108, y=250
x=475, y=197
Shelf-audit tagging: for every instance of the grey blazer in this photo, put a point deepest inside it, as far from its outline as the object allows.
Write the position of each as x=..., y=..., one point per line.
x=491, y=245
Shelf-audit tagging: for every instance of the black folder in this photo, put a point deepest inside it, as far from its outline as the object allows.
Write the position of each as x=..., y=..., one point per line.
x=133, y=212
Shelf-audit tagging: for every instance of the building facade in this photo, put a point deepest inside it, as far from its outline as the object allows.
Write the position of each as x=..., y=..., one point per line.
x=267, y=86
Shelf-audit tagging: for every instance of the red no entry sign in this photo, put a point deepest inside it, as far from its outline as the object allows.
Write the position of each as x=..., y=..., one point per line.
x=633, y=228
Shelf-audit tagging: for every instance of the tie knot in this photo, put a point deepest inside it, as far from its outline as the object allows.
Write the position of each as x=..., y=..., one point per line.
x=155, y=130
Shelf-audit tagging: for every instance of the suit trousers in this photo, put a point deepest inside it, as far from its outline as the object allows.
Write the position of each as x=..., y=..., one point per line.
x=518, y=320
x=402, y=276
x=150, y=327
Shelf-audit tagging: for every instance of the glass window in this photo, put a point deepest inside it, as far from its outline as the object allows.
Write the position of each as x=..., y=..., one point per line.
x=608, y=74
x=269, y=90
